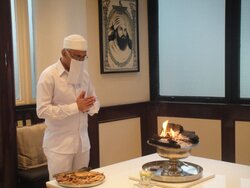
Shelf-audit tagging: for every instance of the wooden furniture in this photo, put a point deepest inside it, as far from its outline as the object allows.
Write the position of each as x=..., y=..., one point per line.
x=34, y=177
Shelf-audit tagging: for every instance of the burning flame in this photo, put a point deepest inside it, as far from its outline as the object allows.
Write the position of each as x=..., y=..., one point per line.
x=172, y=133
x=164, y=129
x=165, y=133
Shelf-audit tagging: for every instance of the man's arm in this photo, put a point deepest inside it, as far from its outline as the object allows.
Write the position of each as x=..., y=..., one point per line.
x=45, y=108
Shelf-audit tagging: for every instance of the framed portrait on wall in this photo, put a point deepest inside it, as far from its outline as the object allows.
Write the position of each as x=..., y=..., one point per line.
x=119, y=36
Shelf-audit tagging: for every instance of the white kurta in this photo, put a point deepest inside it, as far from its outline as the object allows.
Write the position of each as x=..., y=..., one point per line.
x=56, y=103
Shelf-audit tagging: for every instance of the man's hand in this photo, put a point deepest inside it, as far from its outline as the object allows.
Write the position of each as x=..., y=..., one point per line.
x=84, y=104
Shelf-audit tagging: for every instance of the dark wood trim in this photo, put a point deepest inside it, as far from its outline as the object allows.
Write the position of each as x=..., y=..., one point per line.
x=153, y=48
x=94, y=141
x=8, y=156
x=148, y=127
x=106, y=114
x=148, y=113
x=228, y=140
x=119, y=112
x=232, y=51
x=27, y=112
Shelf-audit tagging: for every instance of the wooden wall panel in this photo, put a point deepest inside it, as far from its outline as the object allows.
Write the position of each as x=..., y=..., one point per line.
x=119, y=141
x=148, y=112
x=242, y=140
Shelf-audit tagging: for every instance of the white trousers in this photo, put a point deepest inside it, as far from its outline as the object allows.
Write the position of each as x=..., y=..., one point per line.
x=58, y=162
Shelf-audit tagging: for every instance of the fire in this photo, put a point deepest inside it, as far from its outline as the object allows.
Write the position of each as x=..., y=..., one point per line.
x=164, y=129
x=165, y=133
x=172, y=133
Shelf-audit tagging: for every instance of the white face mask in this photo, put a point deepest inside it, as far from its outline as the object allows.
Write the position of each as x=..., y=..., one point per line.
x=76, y=68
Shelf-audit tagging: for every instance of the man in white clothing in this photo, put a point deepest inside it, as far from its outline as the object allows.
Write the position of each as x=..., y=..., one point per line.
x=65, y=97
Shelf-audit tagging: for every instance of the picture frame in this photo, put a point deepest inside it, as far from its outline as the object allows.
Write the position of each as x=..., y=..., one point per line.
x=118, y=25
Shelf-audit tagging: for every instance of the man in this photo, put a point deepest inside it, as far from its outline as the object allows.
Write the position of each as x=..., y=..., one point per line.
x=65, y=97
x=120, y=43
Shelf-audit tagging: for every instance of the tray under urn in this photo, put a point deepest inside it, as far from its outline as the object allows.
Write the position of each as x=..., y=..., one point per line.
x=161, y=171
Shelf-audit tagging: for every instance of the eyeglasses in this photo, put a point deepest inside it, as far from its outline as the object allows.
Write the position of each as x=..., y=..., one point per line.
x=78, y=56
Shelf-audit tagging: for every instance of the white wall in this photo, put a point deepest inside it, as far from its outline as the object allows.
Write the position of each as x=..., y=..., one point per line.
x=121, y=88
x=53, y=20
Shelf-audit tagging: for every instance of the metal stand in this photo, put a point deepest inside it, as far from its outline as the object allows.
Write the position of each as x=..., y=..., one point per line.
x=173, y=170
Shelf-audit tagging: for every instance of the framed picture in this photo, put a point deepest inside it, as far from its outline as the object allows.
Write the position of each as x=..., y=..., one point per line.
x=119, y=36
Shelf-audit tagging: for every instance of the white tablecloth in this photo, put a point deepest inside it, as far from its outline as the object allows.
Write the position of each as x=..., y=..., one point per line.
x=227, y=175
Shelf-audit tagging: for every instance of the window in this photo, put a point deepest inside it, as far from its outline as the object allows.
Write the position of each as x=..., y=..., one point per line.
x=14, y=37
x=22, y=30
x=192, y=48
x=38, y=32
x=199, y=50
x=245, y=50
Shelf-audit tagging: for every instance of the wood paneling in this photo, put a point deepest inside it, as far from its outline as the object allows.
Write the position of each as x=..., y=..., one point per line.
x=148, y=113
x=119, y=141
x=115, y=113
x=106, y=114
x=228, y=114
x=242, y=139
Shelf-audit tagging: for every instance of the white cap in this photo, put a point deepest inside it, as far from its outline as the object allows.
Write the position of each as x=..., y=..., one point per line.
x=75, y=42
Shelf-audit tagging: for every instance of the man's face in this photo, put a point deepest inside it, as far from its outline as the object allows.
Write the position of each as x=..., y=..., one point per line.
x=77, y=54
x=122, y=37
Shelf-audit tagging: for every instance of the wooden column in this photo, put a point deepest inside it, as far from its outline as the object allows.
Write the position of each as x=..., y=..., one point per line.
x=8, y=162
